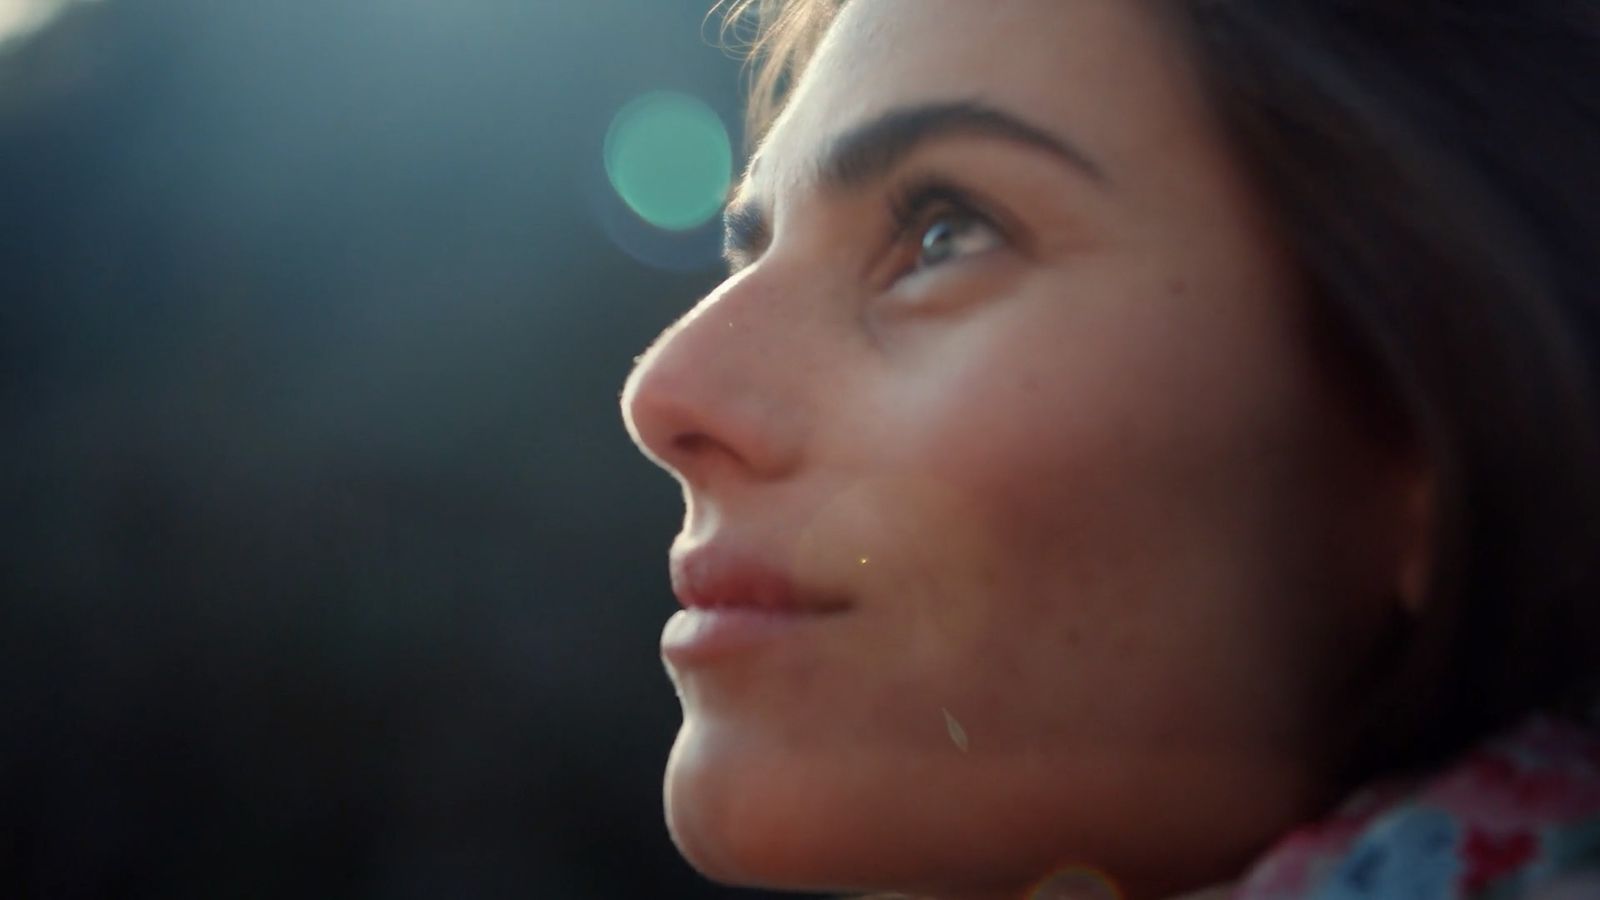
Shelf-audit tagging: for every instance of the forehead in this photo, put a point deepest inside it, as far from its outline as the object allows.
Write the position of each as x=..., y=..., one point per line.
x=1102, y=71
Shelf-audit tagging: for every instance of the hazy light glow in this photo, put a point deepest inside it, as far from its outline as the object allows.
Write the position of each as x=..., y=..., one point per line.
x=669, y=158
x=1077, y=883
x=20, y=18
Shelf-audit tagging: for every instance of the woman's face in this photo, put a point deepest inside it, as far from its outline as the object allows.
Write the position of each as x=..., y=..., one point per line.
x=1013, y=403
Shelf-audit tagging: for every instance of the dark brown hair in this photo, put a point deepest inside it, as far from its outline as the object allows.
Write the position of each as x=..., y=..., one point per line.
x=1435, y=166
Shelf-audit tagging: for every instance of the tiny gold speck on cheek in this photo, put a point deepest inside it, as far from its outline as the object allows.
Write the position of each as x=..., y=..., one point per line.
x=863, y=560
x=957, y=733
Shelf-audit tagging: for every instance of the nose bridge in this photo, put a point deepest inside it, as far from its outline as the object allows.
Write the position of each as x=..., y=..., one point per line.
x=726, y=384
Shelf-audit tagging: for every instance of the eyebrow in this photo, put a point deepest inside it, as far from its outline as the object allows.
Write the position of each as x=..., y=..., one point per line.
x=870, y=151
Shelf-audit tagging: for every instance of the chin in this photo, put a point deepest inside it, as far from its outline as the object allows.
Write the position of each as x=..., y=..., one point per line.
x=801, y=820
x=731, y=817
x=744, y=812
x=754, y=810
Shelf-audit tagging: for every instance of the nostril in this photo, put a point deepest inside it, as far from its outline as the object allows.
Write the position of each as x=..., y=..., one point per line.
x=664, y=423
x=690, y=444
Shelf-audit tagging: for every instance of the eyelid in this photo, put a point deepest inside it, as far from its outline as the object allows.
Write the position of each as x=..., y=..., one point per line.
x=910, y=204
x=915, y=205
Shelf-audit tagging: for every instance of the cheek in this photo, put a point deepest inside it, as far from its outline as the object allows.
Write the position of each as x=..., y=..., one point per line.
x=1103, y=400
x=1033, y=441
x=994, y=544
x=1122, y=481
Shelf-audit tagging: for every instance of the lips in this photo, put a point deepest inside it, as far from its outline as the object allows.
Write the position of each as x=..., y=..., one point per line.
x=735, y=606
x=714, y=577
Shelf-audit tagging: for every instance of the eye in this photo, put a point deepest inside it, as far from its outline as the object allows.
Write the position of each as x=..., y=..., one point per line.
x=954, y=233
x=937, y=224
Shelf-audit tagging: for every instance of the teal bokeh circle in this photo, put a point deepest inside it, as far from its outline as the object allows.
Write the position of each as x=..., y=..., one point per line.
x=669, y=158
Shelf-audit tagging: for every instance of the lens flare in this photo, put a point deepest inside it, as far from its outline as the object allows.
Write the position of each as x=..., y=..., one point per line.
x=669, y=158
x=21, y=18
x=1076, y=883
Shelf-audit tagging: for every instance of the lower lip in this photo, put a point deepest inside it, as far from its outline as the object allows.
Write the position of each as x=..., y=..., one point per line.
x=701, y=635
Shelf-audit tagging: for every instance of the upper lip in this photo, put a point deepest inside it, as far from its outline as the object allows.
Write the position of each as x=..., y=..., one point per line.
x=711, y=576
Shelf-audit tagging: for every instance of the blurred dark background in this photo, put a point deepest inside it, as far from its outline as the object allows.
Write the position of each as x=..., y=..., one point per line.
x=327, y=568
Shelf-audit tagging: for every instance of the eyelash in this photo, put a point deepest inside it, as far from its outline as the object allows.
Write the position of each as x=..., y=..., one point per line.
x=913, y=208
x=916, y=207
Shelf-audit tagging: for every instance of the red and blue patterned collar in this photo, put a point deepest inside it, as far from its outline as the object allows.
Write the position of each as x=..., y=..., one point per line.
x=1517, y=817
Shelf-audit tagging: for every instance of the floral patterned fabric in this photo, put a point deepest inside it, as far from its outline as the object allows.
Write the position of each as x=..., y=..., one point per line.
x=1519, y=812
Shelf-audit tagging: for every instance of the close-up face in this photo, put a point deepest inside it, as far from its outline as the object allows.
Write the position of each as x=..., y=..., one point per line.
x=1068, y=540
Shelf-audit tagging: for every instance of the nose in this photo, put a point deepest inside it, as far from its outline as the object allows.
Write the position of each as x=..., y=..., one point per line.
x=719, y=393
